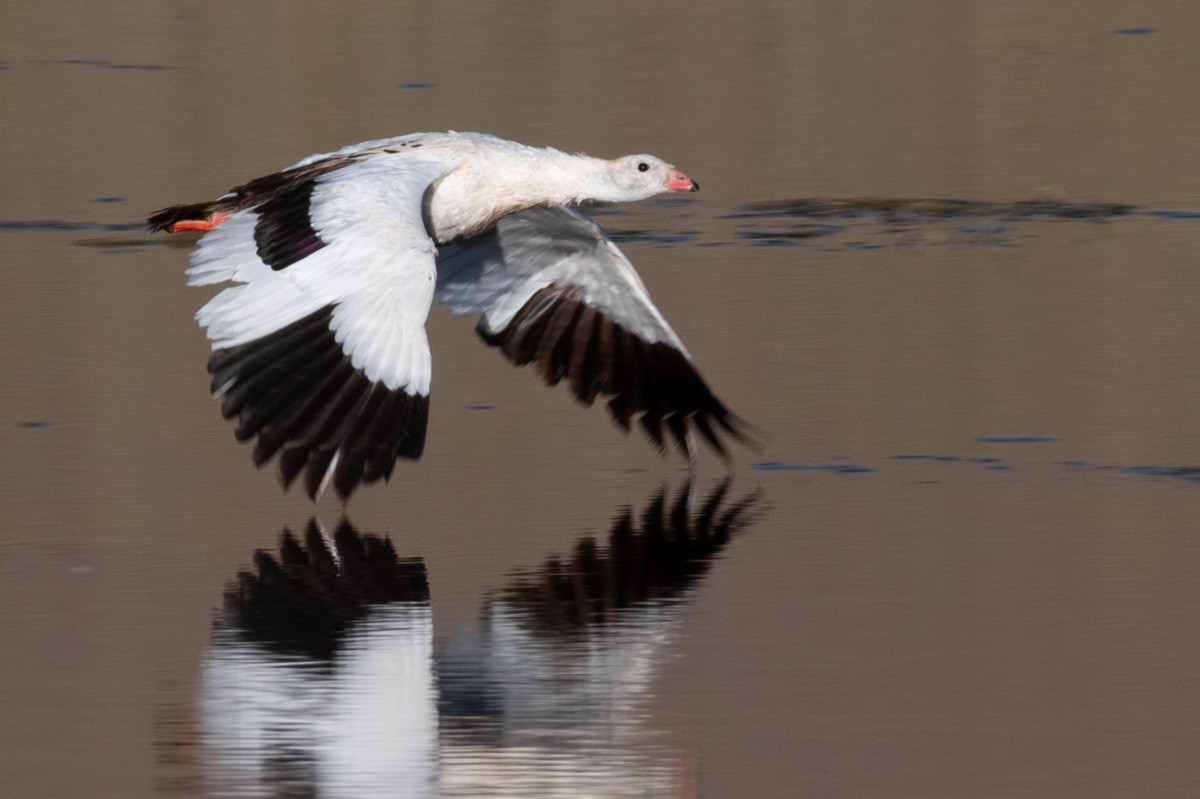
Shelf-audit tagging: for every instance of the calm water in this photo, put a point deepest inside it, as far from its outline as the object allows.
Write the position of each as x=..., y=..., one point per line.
x=944, y=258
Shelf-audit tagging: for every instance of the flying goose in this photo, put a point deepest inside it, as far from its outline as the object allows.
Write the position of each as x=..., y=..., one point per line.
x=320, y=351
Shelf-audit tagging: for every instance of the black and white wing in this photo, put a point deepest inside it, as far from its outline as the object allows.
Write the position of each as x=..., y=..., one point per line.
x=320, y=350
x=554, y=290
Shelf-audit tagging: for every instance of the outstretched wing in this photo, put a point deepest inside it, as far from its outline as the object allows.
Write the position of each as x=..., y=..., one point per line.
x=556, y=292
x=320, y=351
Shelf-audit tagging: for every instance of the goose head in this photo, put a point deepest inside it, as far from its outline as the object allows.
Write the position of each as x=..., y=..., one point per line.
x=636, y=177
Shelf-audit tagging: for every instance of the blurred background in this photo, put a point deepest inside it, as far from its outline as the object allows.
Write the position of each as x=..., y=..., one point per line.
x=944, y=259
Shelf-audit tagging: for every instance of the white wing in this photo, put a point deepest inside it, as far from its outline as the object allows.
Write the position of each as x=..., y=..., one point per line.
x=555, y=291
x=321, y=351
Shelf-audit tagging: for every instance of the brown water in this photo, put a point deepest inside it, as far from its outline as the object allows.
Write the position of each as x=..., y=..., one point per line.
x=964, y=564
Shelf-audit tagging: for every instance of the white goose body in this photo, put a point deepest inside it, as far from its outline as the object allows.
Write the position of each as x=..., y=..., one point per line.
x=320, y=349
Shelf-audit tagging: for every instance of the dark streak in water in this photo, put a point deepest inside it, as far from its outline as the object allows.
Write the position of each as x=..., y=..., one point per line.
x=1169, y=214
x=59, y=225
x=932, y=208
x=653, y=236
x=120, y=243
x=105, y=64
x=907, y=222
x=1189, y=473
x=672, y=202
x=990, y=230
x=837, y=468
x=924, y=457
x=785, y=236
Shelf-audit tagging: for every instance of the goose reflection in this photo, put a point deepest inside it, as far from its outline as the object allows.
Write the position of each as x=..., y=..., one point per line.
x=324, y=677
x=319, y=678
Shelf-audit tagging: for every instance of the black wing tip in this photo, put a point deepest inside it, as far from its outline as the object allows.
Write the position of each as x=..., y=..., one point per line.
x=316, y=463
x=745, y=433
x=378, y=436
x=654, y=385
x=751, y=436
x=716, y=428
x=299, y=395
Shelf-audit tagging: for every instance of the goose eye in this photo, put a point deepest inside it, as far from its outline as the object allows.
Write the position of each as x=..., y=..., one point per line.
x=643, y=166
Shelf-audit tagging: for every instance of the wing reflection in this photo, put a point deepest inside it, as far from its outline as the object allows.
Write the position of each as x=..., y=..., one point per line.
x=320, y=680
x=551, y=699
x=323, y=678
x=644, y=564
x=306, y=600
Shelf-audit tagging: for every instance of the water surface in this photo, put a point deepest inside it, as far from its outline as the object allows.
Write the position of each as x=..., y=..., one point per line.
x=944, y=259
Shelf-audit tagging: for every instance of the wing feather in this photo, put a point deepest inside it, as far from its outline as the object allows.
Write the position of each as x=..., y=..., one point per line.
x=320, y=349
x=553, y=290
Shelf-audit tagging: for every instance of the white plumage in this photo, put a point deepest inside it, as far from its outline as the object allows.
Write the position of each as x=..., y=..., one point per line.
x=320, y=349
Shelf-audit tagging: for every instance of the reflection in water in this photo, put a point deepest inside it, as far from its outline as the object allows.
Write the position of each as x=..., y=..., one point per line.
x=320, y=679
x=308, y=599
x=323, y=678
x=647, y=561
x=877, y=222
x=564, y=665
x=893, y=208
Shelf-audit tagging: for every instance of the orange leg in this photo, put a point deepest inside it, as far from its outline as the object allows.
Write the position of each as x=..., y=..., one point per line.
x=202, y=225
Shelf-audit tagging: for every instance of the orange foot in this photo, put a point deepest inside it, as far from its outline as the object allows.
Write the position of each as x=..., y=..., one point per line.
x=202, y=225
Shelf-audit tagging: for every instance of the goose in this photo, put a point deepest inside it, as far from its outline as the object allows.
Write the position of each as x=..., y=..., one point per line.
x=319, y=349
